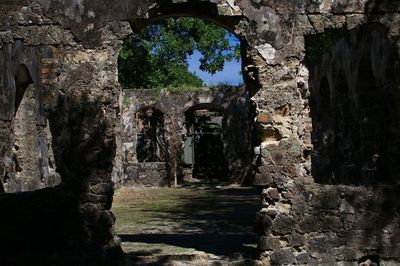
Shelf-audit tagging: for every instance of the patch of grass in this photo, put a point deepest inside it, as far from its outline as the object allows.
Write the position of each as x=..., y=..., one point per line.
x=125, y=100
x=174, y=216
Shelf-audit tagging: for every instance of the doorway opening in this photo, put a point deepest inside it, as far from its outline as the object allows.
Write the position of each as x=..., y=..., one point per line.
x=203, y=135
x=205, y=145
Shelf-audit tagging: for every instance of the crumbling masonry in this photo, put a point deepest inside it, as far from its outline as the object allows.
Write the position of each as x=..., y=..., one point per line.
x=324, y=77
x=175, y=107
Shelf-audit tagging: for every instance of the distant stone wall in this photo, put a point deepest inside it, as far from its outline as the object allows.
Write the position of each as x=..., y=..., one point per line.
x=149, y=174
x=234, y=103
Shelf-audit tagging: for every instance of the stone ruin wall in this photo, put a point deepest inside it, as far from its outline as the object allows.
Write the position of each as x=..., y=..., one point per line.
x=134, y=172
x=234, y=102
x=71, y=50
x=322, y=221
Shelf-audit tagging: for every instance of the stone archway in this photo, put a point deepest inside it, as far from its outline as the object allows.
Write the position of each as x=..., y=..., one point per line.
x=238, y=134
x=231, y=18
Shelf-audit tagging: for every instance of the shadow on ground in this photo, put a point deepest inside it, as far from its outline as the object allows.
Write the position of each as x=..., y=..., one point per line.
x=216, y=221
x=218, y=244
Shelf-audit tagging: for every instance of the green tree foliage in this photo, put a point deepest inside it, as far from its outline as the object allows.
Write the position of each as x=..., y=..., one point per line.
x=157, y=56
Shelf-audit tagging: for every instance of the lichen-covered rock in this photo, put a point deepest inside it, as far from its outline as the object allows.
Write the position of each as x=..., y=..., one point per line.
x=283, y=224
x=268, y=243
x=309, y=223
x=282, y=257
x=263, y=223
x=296, y=240
x=325, y=200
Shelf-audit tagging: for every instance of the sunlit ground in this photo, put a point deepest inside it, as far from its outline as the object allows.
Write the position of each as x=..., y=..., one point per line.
x=209, y=220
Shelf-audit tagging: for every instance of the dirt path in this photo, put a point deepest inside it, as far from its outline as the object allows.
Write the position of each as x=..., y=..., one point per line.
x=204, y=222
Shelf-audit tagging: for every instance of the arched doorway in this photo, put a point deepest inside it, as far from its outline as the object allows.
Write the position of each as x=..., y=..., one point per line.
x=205, y=124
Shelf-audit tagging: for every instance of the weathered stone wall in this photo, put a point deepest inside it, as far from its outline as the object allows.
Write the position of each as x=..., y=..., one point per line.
x=149, y=174
x=313, y=223
x=24, y=148
x=309, y=223
x=234, y=103
x=79, y=94
x=70, y=49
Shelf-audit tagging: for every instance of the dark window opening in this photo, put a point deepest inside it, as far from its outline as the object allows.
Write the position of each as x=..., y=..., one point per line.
x=323, y=134
x=353, y=115
x=369, y=260
x=344, y=136
x=334, y=136
x=151, y=145
x=22, y=80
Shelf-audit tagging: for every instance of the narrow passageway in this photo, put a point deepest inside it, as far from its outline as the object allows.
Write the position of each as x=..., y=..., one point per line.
x=200, y=220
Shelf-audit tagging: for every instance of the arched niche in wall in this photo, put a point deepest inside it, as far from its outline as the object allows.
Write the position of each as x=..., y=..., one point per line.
x=22, y=80
x=365, y=145
x=343, y=156
x=32, y=165
x=322, y=138
x=346, y=130
x=371, y=124
x=151, y=144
